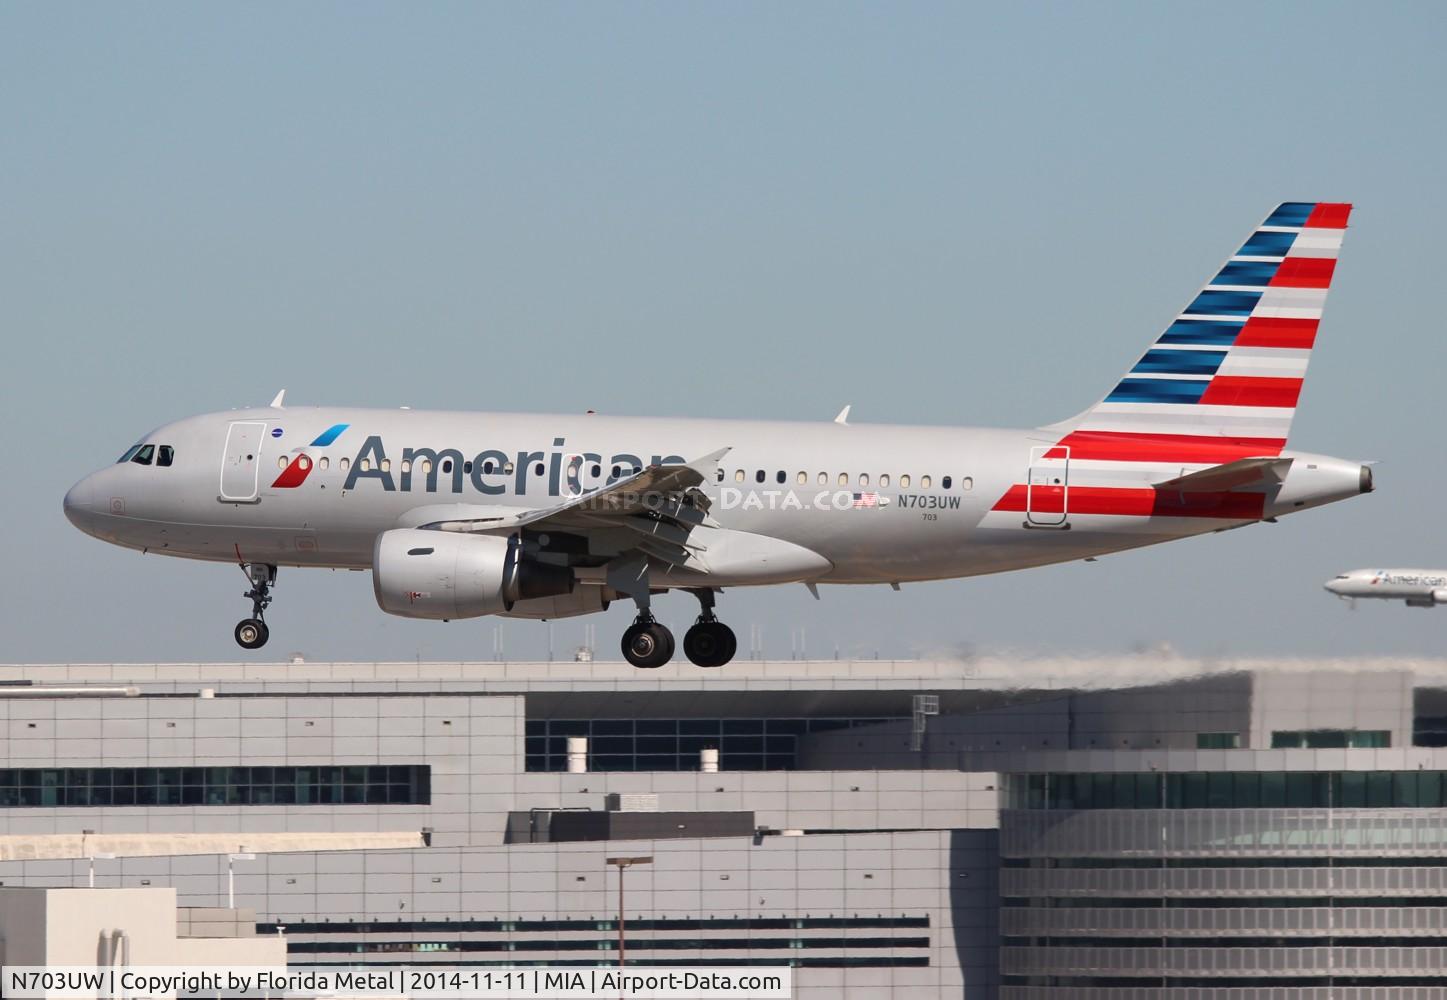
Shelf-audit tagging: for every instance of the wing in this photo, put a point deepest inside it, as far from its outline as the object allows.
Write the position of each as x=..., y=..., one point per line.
x=656, y=509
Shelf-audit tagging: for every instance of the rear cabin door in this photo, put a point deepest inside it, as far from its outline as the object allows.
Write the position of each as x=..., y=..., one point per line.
x=241, y=462
x=1047, y=489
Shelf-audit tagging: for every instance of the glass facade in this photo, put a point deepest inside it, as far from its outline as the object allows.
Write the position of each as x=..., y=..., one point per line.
x=757, y=744
x=1228, y=790
x=325, y=784
x=1218, y=741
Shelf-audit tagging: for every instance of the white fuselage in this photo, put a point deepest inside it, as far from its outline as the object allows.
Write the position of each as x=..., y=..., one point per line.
x=878, y=504
x=1419, y=588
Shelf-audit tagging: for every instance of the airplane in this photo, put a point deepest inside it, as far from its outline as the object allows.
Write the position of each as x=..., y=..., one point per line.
x=461, y=514
x=1420, y=588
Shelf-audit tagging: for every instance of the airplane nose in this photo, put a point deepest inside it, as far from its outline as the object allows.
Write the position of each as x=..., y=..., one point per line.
x=1332, y=586
x=77, y=504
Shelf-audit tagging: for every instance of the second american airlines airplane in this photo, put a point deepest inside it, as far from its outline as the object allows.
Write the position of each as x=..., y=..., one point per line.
x=459, y=515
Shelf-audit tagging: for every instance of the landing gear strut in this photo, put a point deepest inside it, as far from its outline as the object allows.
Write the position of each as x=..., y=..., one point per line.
x=709, y=643
x=252, y=633
x=647, y=643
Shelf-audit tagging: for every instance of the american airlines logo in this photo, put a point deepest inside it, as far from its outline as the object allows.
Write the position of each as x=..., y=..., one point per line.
x=557, y=472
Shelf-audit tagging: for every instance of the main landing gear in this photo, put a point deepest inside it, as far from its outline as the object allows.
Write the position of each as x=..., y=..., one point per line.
x=708, y=643
x=252, y=633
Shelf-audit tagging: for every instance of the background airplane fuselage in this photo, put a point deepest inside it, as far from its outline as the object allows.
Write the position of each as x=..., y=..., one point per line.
x=274, y=493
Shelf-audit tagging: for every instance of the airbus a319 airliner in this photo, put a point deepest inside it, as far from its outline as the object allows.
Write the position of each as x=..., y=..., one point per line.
x=459, y=514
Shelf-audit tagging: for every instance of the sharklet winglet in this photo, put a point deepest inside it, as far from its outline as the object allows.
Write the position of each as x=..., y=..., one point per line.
x=843, y=417
x=277, y=403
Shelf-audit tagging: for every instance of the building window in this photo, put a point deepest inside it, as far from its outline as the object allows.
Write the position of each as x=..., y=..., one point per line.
x=1218, y=741
x=1330, y=739
x=326, y=784
x=1229, y=790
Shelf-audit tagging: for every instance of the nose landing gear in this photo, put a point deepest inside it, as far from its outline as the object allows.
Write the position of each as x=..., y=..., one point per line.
x=252, y=633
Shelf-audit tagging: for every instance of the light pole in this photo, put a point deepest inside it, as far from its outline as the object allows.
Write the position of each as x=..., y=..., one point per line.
x=621, y=864
x=97, y=856
x=231, y=860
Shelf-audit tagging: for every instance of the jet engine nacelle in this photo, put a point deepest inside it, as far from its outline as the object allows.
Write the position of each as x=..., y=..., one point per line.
x=422, y=573
x=585, y=600
x=1439, y=596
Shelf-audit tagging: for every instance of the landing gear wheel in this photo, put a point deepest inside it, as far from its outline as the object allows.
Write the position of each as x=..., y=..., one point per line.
x=647, y=644
x=252, y=633
x=710, y=643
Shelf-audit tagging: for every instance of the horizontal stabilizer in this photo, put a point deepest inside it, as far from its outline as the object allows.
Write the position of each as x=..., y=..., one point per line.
x=1243, y=473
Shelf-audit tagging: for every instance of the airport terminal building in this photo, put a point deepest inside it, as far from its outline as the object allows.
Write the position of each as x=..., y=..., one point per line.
x=1132, y=828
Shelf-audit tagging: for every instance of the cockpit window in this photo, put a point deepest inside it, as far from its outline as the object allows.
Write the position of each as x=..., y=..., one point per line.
x=144, y=454
x=165, y=455
x=130, y=454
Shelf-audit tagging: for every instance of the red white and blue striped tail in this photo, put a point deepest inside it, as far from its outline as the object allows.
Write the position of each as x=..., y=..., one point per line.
x=1222, y=381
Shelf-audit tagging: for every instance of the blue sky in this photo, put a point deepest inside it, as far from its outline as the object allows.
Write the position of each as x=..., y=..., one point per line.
x=941, y=214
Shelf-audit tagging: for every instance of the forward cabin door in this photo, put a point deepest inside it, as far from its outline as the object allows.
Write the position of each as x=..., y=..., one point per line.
x=1047, y=487
x=241, y=462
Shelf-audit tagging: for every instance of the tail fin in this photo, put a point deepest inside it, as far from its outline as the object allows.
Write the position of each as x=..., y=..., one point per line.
x=1225, y=376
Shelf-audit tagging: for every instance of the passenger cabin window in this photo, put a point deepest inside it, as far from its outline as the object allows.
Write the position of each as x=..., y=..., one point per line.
x=406, y=466
x=323, y=463
x=802, y=478
x=823, y=479
x=344, y=464
x=945, y=483
x=365, y=465
x=597, y=470
x=144, y=454
x=864, y=479
x=386, y=465
x=924, y=482
x=165, y=455
x=446, y=465
x=538, y=469
x=904, y=482
x=281, y=461
x=884, y=479
x=427, y=466
x=967, y=483
x=303, y=463
x=780, y=477
x=843, y=479
x=739, y=476
x=759, y=476
x=720, y=475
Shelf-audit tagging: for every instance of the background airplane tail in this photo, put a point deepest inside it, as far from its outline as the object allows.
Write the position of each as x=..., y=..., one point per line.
x=1222, y=381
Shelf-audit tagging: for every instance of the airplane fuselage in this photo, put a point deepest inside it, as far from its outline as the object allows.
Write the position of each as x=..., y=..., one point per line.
x=1418, y=588
x=878, y=503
